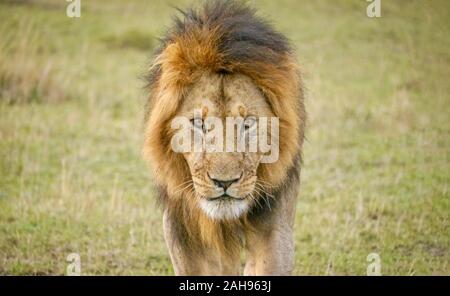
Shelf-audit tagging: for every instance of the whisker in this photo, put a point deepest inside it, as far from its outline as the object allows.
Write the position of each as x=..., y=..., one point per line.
x=183, y=183
x=256, y=200
x=184, y=188
x=264, y=197
x=264, y=183
x=261, y=187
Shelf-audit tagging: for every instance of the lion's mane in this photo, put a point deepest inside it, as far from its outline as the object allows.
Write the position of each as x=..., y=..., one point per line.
x=221, y=37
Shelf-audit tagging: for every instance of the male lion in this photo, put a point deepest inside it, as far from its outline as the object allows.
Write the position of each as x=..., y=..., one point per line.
x=225, y=61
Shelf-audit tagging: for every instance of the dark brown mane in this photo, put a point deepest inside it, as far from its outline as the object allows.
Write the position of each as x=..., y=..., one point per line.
x=244, y=38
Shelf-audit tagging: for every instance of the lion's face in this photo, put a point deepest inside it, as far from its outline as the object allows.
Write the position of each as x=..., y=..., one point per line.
x=225, y=183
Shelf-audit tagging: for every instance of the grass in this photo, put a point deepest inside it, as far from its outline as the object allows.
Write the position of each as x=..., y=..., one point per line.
x=376, y=171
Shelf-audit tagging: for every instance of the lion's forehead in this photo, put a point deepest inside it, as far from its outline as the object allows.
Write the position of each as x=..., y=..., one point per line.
x=224, y=95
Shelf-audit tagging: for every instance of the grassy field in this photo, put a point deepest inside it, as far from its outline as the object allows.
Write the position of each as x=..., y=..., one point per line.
x=376, y=173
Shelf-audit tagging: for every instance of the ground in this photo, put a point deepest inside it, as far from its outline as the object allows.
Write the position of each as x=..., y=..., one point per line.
x=376, y=162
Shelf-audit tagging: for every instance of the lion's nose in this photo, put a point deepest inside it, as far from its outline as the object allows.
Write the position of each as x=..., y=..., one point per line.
x=224, y=183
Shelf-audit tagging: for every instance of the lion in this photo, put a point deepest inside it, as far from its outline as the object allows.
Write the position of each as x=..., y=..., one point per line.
x=225, y=61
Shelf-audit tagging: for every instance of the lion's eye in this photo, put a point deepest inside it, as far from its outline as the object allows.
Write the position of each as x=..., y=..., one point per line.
x=249, y=122
x=197, y=123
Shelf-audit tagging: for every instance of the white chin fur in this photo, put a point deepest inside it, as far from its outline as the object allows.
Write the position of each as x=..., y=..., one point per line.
x=224, y=209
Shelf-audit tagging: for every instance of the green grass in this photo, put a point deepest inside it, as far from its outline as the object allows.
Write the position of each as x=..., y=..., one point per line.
x=377, y=158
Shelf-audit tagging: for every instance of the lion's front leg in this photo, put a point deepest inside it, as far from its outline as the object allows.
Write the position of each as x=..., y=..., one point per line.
x=187, y=261
x=271, y=254
x=179, y=255
x=270, y=251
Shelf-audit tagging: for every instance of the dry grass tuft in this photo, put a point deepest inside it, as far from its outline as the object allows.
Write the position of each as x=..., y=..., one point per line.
x=25, y=76
x=131, y=39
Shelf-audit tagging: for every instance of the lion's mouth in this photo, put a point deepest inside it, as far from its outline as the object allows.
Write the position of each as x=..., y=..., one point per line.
x=224, y=197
